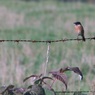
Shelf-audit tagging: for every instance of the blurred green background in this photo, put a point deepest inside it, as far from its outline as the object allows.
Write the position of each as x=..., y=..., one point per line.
x=46, y=20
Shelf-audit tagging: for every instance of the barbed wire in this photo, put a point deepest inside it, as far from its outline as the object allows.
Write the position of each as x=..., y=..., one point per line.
x=47, y=41
x=74, y=92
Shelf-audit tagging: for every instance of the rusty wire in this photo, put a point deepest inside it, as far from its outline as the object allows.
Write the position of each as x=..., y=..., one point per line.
x=60, y=92
x=47, y=41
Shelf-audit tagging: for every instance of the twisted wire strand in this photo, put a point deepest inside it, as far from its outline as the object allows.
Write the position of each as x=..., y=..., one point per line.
x=74, y=91
x=47, y=41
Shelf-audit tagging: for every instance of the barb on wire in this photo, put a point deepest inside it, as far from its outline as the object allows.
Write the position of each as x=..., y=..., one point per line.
x=47, y=58
x=47, y=41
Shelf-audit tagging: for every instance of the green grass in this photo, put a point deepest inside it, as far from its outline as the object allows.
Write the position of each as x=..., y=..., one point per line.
x=47, y=20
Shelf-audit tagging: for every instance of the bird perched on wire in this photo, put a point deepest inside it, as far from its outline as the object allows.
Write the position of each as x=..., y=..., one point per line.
x=79, y=29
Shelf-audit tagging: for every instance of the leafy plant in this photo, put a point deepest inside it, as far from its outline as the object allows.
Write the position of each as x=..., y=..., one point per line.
x=61, y=76
x=39, y=79
x=57, y=75
x=8, y=90
x=38, y=83
x=37, y=88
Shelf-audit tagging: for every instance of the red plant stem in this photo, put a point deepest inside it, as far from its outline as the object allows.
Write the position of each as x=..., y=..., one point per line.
x=53, y=82
x=47, y=84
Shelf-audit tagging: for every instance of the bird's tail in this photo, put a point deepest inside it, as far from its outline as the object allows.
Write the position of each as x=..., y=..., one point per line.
x=83, y=37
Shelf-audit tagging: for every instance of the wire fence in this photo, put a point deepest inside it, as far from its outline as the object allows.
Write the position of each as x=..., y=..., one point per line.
x=75, y=92
x=23, y=57
x=47, y=41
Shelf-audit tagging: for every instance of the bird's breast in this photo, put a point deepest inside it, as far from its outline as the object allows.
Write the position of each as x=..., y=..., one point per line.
x=78, y=28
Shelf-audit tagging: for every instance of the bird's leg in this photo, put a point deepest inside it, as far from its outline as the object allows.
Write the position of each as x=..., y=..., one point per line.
x=78, y=37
